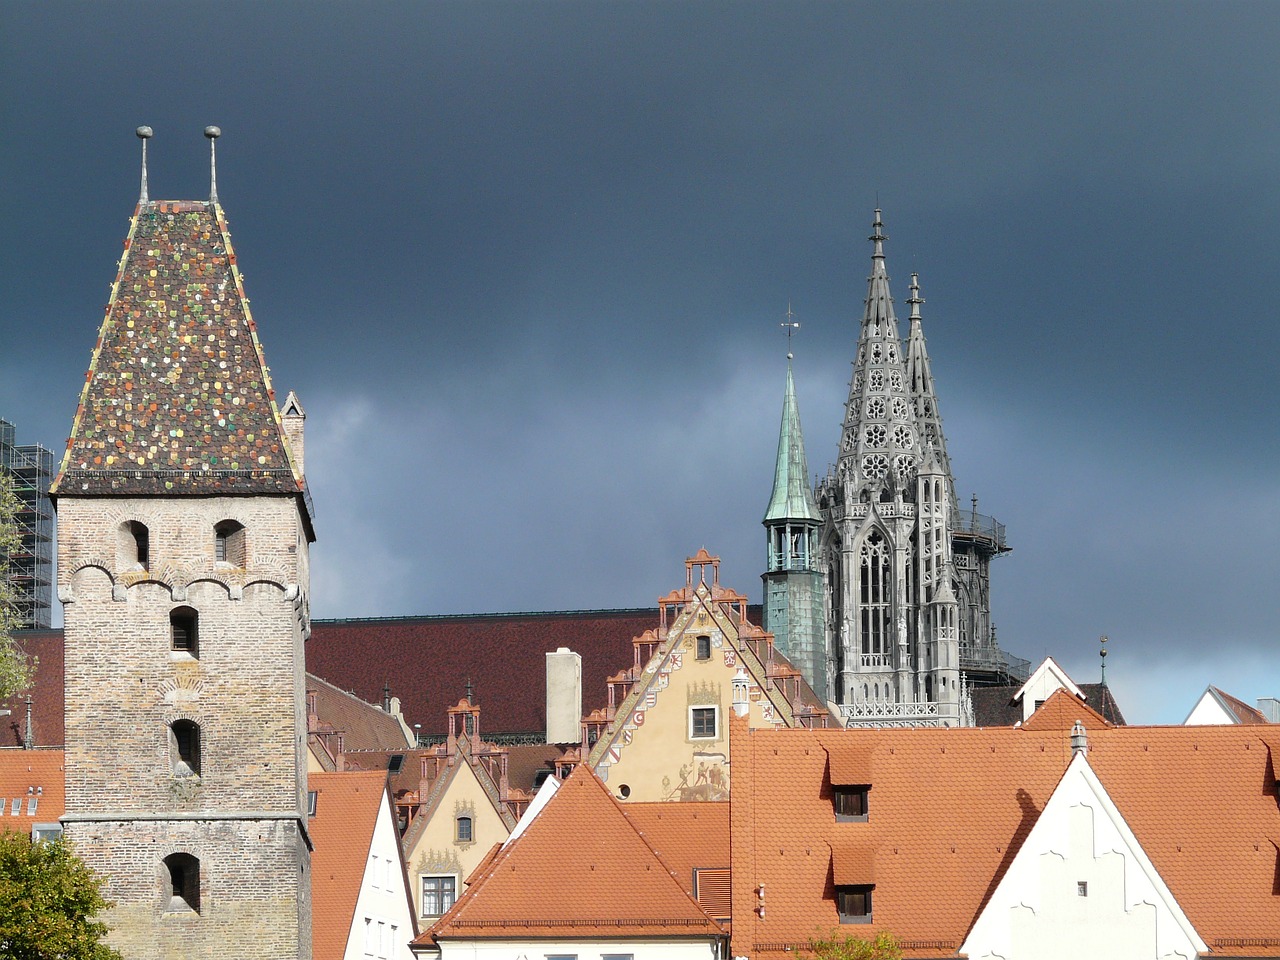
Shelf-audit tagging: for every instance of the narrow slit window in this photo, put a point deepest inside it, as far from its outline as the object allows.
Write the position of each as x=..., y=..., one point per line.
x=228, y=543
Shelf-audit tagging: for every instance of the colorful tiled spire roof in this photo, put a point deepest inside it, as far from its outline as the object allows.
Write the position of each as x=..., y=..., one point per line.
x=177, y=399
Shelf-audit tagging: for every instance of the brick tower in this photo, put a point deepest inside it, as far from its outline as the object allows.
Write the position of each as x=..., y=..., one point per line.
x=184, y=530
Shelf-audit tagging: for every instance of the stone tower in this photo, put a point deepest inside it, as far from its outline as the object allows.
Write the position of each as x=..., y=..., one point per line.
x=184, y=530
x=907, y=610
x=792, y=580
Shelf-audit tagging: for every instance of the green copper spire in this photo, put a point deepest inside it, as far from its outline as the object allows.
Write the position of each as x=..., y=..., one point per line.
x=792, y=498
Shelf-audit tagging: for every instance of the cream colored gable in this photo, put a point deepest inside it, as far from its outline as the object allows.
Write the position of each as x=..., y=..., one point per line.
x=438, y=852
x=664, y=744
x=1081, y=886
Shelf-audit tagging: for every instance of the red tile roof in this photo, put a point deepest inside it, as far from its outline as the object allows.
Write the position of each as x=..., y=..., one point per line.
x=46, y=694
x=36, y=781
x=347, y=807
x=686, y=836
x=1061, y=711
x=559, y=879
x=429, y=660
x=1238, y=708
x=177, y=399
x=948, y=810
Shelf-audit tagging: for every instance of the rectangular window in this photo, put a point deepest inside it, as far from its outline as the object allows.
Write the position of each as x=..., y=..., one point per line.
x=438, y=894
x=311, y=802
x=368, y=937
x=561, y=956
x=850, y=803
x=1082, y=888
x=702, y=723
x=704, y=648
x=854, y=904
x=617, y=956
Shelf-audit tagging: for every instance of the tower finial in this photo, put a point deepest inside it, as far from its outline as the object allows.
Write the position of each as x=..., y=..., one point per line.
x=1102, y=655
x=144, y=134
x=791, y=325
x=213, y=133
x=915, y=299
x=878, y=238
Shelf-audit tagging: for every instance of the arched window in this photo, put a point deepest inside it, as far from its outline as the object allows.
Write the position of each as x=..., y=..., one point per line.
x=183, y=881
x=184, y=742
x=134, y=546
x=463, y=832
x=228, y=543
x=874, y=594
x=184, y=631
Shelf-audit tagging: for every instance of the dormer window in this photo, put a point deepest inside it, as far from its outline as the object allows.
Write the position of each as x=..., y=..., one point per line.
x=184, y=631
x=228, y=543
x=850, y=803
x=854, y=903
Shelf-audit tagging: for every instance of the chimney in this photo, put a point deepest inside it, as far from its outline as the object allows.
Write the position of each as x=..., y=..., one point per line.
x=564, y=696
x=1079, y=740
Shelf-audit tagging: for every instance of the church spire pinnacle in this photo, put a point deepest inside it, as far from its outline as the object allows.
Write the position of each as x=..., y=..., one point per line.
x=792, y=498
x=924, y=400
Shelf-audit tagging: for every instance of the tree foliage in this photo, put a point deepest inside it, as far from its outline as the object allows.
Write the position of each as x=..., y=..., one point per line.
x=842, y=946
x=48, y=899
x=16, y=669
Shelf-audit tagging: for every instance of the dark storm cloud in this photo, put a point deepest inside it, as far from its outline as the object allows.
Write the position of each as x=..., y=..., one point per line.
x=524, y=263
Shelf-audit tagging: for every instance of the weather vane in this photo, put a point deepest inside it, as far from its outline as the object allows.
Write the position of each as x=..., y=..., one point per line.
x=1103, y=655
x=791, y=325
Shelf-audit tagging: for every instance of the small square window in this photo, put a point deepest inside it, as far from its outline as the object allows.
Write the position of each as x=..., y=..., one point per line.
x=702, y=723
x=850, y=803
x=1082, y=888
x=854, y=904
x=703, y=651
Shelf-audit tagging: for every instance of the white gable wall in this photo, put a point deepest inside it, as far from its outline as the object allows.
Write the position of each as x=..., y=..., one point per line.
x=704, y=948
x=1208, y=711
x=1038, y=910
x=1045, y=680
x=382, y=926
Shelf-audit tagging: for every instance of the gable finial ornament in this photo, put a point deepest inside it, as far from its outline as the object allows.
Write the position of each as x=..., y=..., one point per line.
x=212, y=133
x=144, y=134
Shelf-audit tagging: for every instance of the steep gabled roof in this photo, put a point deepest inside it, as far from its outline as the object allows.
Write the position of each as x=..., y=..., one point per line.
x=792, y=497
x=363, y=725
x=342, y=832
x=686, y=836
x=1233, y=709
x=949, y=810
x=178, y=398
x=560, y=878
x=1061, y=712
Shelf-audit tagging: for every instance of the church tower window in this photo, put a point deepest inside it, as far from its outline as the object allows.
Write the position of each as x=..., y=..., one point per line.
x=183, y=881
x=874, y=597
x=228, y=543
x=184, y=631
x=185, y=744
x=135, y=546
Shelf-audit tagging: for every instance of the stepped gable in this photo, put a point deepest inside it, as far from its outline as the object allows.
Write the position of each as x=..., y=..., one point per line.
x=558, y=880
x=178, y=398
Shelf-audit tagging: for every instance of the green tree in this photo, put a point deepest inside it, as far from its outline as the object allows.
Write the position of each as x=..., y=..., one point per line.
x=16, y=669
x=48, y=899
x=838, y=946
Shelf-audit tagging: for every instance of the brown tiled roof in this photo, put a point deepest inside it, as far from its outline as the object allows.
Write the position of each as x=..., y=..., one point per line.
x=559, y=879
x=525, y=761
x=1098, y=696
x=686, y=836
x=342, y=831
x=363, y=726
x=177, y=399
x=995, y=706
x=948, y=810
x=46, y=694
x=27, y=776
x=429, y=660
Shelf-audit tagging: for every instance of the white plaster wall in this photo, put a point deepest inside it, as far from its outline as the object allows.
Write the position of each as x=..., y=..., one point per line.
x=379, y=899
x=1037, y=911
x=1041, y=685
x=1207, y=712
x=691, y=949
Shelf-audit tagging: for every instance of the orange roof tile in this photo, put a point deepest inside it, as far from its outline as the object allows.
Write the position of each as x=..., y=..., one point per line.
x=1061, y=711
x=32, y=789
x=948, y=810
x=347, y=807
x=685, y=836
x=559, y=879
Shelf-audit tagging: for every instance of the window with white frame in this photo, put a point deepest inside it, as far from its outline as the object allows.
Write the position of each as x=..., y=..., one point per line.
x=704, y=723
x=438, y=894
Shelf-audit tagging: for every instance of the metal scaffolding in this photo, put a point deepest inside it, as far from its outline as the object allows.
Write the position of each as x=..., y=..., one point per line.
x=31, y=568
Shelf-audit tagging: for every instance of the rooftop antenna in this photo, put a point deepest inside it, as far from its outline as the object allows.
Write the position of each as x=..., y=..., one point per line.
x=144, y=133
x=213, y=133
x=1102, y=653
x=791, y=325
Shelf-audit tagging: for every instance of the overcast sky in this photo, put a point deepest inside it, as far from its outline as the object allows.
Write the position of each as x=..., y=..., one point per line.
x=525, y=266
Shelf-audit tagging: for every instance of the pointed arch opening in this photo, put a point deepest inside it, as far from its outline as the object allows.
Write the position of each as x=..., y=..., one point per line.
x=875, y=599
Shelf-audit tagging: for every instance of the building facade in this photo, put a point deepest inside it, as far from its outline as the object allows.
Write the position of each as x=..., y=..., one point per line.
x=31, y=468
x=183, y=571
x=878, y=583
